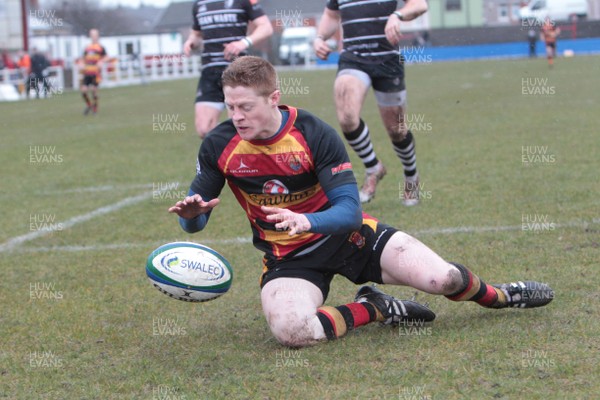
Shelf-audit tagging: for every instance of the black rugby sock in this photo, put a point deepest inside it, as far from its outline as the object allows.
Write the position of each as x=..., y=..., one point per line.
x=405, y=150
x=360, y=141
x=86, y=99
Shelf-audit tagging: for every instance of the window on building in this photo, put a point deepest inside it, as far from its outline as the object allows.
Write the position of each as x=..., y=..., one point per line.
x=515, y=11
x=453, y=5
x=539, y=5
x=503, y=13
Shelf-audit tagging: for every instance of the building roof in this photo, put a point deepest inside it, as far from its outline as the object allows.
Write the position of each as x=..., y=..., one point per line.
x=304, y=9
x=141, y=19
x=176, y=16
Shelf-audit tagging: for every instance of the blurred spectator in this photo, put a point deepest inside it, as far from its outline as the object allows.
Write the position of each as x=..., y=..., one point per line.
x=24, y=62
x=421, y=39
x=8, y=61
x=39, y=64
x=532, y=39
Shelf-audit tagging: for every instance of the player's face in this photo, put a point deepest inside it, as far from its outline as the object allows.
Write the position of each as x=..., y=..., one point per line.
x=94, y=35
x=254, y=116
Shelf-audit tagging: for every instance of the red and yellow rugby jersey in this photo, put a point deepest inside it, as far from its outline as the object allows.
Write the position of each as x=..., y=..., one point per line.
x=549, y=32
x=292, y=170
x=91, y=55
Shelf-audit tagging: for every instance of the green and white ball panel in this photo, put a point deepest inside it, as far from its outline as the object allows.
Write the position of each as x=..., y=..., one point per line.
x=189, y=271
x=184, y=294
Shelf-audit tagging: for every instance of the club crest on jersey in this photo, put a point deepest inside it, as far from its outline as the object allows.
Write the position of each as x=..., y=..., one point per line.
x=341, y=168
x=357, y=239
x=275, y=186
x=295, y=163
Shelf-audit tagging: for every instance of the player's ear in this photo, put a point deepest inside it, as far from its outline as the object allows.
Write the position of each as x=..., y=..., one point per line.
x=274, y=98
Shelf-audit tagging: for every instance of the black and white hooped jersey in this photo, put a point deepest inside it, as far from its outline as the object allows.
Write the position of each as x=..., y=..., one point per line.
x=221, y=22
x=364, y=22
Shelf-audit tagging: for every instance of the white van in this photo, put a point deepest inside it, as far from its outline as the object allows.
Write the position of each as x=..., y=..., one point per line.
x=557, y=10
x=296, y=45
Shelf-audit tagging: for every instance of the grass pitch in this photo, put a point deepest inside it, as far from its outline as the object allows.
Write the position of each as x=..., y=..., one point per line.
x=508, y=157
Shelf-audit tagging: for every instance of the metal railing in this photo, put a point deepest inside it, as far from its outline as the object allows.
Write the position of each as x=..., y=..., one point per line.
x=51, y=83
x=128, y=70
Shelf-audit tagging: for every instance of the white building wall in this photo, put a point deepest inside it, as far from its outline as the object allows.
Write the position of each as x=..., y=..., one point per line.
x=11, y=37
x=69, y=48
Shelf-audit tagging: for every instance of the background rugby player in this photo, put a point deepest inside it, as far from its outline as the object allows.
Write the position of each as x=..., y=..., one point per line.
x=370, y=57
x=549, y=34
x=94, y=56
x=221, y=27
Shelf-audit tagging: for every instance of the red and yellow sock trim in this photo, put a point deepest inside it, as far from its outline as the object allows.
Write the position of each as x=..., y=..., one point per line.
x=333, y=322
x=337, y=321
x=474, y=289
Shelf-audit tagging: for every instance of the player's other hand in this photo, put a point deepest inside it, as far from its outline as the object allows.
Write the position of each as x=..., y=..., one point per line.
x=192, y=206
x=321, y=48
x=233, y=49
x=190, y=45
x=392, y=30
x=286, y=220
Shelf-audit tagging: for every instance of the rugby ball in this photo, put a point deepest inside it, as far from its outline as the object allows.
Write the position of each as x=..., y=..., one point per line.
x=189, y=271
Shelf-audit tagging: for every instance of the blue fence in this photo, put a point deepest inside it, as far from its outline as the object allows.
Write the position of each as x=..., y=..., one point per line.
x=474, y=52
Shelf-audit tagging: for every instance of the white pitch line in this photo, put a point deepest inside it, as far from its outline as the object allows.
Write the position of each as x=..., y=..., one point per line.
x=243, y=240
x=125, y=246
x=483, y=229
x=18, y=240
x=102, y=188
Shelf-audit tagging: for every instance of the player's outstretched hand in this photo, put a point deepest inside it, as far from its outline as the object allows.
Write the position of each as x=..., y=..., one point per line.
x=192, y=206
x=393, y=31
x=287, y=220
x=321, y=48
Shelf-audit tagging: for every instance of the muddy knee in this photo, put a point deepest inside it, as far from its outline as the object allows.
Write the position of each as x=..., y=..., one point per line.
x=455, y=280
x=291, y=330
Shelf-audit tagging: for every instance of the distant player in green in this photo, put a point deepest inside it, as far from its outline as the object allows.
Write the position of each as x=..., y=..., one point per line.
x=292, y=176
